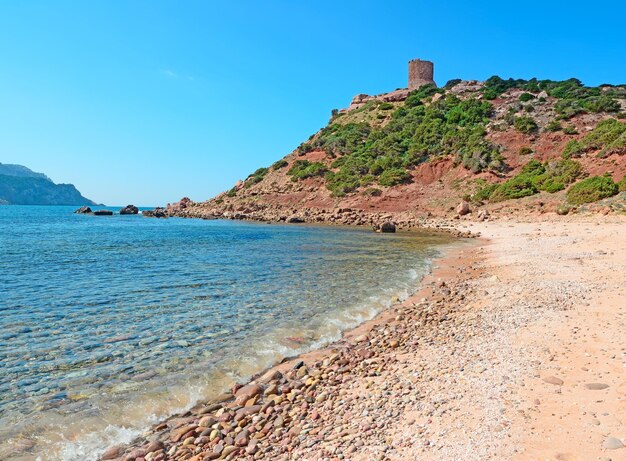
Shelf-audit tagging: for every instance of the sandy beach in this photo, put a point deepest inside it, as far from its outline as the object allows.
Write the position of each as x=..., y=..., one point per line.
x=513, y=349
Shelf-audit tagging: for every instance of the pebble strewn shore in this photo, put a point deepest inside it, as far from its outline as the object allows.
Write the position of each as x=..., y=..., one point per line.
x=469, y=368
x=329, y=408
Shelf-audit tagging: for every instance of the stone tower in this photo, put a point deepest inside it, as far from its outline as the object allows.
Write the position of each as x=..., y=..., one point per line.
x=420, y=73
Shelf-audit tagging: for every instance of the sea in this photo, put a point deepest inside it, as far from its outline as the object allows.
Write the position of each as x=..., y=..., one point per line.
x=109, y=324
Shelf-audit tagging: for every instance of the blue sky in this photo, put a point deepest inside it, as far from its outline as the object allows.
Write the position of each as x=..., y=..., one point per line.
x=147, y=101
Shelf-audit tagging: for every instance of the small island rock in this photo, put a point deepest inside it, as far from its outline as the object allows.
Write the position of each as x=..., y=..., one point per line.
x=129, y=209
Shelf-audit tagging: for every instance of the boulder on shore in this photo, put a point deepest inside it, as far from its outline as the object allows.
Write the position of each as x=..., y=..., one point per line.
x=103, y=212
x=83, y=210
x=129, y=209
x=463, y=208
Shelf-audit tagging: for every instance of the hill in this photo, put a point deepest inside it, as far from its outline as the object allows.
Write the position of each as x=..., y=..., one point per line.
x=21, y=186
x=505, y=145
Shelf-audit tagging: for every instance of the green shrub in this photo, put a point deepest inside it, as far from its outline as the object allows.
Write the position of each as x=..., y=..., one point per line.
x=572, y=149
x=393, y=176
x=525, y=97
x=570, y=129
x=525, y=150
x=517, y=187
x=279, y=164
x=385, y=106
x=231, y=192
x=484, y=193
x=305, y=148
x=609, y=137
x=302, y=169
x=591, y=190
x=554, y=125
x=525, y=124
x=256, y=177
x=621, y=185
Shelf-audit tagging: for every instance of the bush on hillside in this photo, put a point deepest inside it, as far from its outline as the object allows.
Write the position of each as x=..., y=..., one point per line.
x=256, y=177
x=525, y=150
x=525, y=97
x=570, y=129
x=303, y=169
x=484, y=193
x=609, y=137
x=279, y=164
x=591, y=190
x=554, y=125
x=516, y=187
x=525, y=124
x=621, y=185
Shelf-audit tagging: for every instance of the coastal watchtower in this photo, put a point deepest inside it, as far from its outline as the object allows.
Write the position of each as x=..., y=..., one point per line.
x=420, y=73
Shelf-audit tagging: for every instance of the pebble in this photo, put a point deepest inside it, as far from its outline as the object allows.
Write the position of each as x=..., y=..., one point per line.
x=612, y=443
x=553, y=380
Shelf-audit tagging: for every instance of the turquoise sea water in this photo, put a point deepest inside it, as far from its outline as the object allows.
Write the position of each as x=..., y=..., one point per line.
x=108, y=324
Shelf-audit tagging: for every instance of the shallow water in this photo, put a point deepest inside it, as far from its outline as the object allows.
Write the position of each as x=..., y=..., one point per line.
x=108, y=324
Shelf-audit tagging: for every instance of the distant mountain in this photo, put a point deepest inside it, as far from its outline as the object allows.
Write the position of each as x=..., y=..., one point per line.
x=22, y=186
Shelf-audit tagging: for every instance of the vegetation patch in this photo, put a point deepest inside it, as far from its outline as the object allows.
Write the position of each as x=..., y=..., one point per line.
x=573, y=97
x=535, y=176
x=303, y=169
x=279, y=164
x=525, y=124
x=608, y=137
x=591, y=190
x=256, y=177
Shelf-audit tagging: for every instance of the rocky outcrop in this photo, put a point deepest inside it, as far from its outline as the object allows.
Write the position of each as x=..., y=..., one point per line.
x=129, y=209
x=394, y=96
x=182, y=204
x=83, y=210
x=158, y=212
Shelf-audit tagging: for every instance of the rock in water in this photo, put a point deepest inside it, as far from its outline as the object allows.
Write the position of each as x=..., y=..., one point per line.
x=83, y=210
x=129, y=209
x=103, y=212
x=388, y=227
x=158, y=212
x=463, y=208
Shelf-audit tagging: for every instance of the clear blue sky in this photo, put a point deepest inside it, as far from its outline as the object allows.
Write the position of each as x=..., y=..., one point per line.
x=147, y=101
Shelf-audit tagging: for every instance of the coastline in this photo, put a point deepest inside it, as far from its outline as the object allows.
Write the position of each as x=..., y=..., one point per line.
x=503, y=354
x=142, y=447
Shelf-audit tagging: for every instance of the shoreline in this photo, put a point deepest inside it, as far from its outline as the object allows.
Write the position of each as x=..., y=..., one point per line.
x=441, y=269
x=511, y=349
